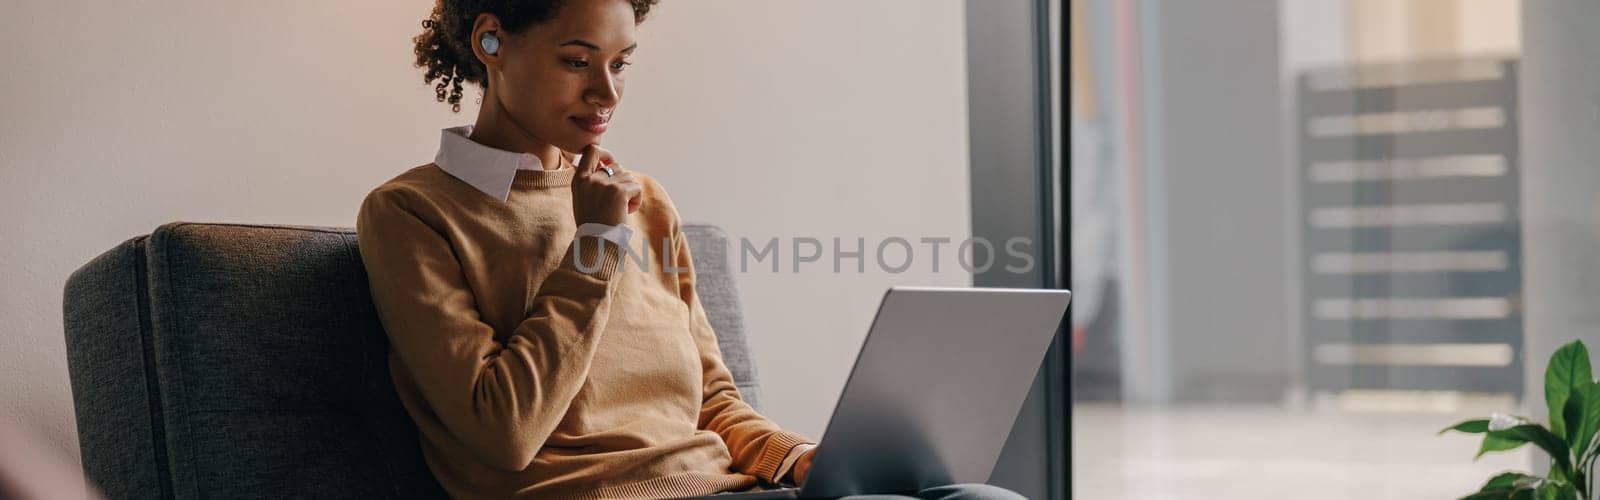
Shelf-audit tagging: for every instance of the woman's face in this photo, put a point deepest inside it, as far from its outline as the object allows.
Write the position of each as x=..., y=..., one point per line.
x=562, y=80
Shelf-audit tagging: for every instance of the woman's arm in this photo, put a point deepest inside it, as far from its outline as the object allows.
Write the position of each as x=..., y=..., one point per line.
x=758, y=445
x=501, y=400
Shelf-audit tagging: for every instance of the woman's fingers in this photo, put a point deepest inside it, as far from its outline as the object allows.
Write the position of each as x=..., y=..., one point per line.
x=586, y=164
x=593, y=157
x=632, y=189
x=596, y=198
x=602, y=197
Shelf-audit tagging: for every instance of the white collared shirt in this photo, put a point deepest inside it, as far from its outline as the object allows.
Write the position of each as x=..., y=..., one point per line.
x=492, y=171
x=793, y=457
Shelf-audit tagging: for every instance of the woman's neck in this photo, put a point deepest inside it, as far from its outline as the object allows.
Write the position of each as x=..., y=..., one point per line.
x=496, y=129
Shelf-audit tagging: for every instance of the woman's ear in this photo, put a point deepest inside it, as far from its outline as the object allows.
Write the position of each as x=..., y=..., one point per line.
x=488, y=40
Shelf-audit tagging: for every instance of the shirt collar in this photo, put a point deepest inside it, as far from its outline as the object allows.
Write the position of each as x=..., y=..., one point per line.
x=488, y=169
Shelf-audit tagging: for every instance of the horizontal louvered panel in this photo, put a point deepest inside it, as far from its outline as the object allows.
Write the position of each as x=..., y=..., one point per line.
x=1508, y=330
x=1434, y=378
x=1438, y=95
x=1415, y=238
x=1486, y=354
x=1408, y=169
x=1366, y=263
x=1454, y=190
x=1417, y=145
x=1406, y=74
x=1417, y=308
x=1455, y=284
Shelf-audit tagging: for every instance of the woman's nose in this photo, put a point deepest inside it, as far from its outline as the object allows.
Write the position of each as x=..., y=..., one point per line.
x=604, y=91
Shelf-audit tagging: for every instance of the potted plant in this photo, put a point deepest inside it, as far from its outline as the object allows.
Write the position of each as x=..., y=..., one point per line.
x=1573, y=399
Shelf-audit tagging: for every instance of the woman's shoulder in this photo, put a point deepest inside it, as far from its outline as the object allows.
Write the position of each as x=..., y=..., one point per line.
x=657, y=206
x=413, y=192
x=419, y=179
x=420, y=184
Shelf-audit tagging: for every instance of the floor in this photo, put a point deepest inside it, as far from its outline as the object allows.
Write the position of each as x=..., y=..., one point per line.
x=1269, y=452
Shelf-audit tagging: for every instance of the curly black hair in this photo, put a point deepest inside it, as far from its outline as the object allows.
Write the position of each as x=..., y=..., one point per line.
x=444, y=49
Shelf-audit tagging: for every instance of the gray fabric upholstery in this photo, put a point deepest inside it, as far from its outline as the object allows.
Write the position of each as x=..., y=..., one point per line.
x=708, y=245
x=241, y=361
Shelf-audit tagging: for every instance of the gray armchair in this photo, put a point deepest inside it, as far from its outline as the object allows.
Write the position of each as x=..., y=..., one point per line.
x=234, y=361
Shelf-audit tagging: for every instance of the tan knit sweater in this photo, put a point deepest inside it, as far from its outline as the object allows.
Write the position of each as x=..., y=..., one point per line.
x=529, y=377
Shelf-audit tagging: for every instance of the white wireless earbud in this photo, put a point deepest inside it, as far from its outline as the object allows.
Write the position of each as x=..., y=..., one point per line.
x=491, y=43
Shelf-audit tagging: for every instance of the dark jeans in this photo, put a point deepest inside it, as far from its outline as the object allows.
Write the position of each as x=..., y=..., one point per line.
x=966, y=491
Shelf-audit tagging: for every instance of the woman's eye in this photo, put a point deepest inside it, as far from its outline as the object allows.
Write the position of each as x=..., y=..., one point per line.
x=617, y=66
x=577, y=63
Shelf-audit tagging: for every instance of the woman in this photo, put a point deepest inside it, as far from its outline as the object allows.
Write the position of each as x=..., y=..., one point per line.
x=535, y=361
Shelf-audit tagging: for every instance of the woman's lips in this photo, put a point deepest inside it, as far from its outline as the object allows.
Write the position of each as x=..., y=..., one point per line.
x=591, y=124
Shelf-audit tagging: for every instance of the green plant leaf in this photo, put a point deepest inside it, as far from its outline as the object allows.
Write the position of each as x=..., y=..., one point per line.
x=1508, y=493
x=1554, y=489
x=1582, y=415
x=1510, y=480
x=1547, y=491
x=1476, y=426
x=1539, y=436
x=1572, y=414
x=1501, y=481
x=1493, y=441
x=1568, y=369
x=1591, y=425
x=1500, y=494
x=1568, y=492
x=1565, y=488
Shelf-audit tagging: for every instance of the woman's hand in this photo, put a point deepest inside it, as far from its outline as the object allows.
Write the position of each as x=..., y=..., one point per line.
x=802, y=466
x=600, y=198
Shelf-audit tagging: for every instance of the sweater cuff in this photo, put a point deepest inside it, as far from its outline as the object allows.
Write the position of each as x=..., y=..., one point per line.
x=584, y=258
x=779, y=444
x=620, y=234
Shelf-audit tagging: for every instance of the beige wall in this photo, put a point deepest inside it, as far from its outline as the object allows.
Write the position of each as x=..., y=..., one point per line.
x=772, y=118
x=1388, y=30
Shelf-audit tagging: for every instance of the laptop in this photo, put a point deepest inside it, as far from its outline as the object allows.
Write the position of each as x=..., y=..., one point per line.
x=934, y=391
